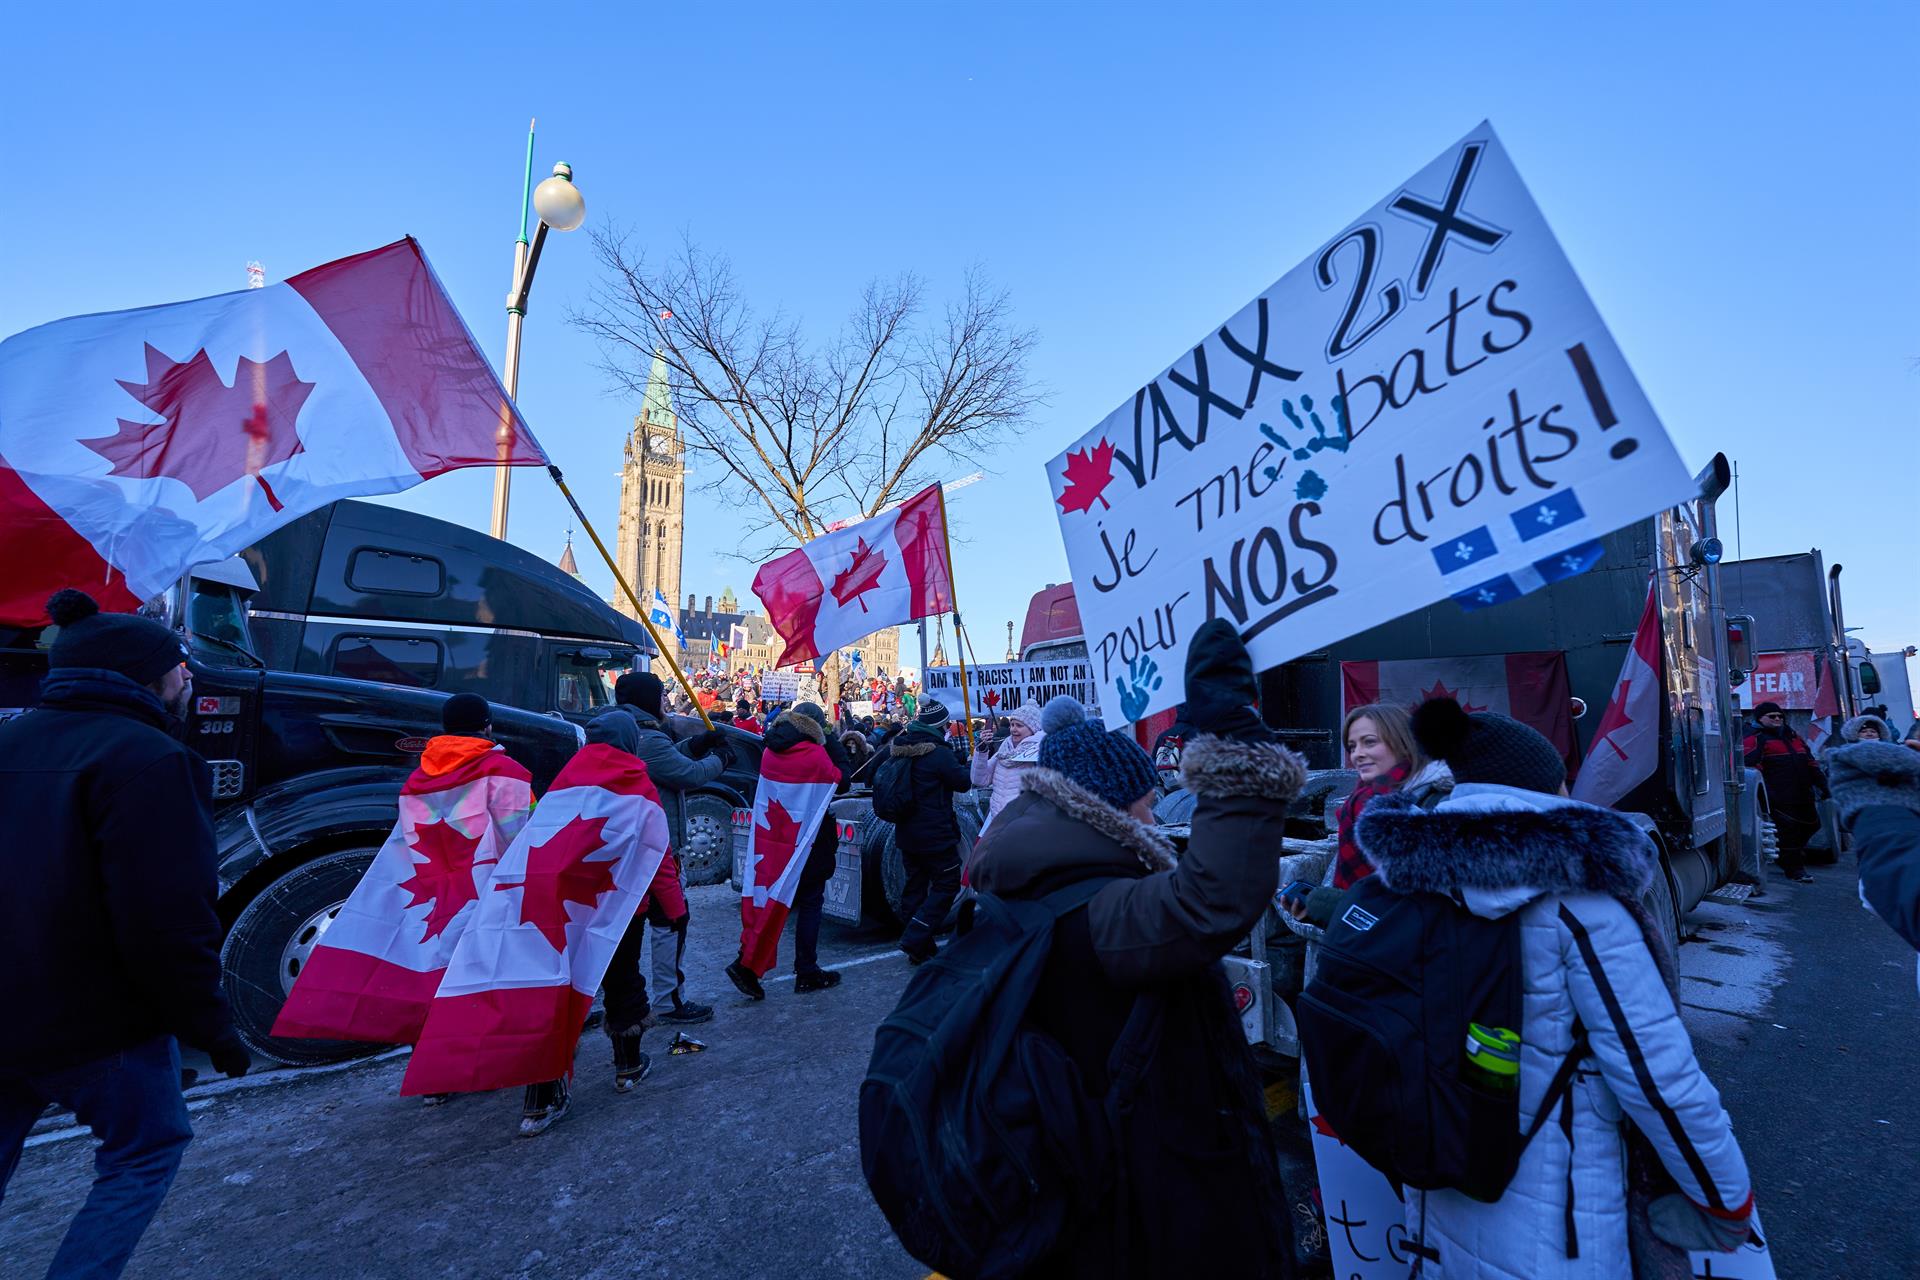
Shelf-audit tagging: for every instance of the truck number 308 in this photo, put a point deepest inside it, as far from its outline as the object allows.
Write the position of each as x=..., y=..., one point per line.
x=216, y=726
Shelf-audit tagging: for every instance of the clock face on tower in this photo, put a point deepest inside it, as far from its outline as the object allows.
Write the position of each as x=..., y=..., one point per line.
x=659, y=443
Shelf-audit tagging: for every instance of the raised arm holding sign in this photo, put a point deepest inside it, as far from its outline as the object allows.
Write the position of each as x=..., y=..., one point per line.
x=1428, y=406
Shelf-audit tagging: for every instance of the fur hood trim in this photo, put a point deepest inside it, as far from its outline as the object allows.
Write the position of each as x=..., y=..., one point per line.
x=1227, y=767
x=1153, y=850
x=1557, y=847
x=805, y=726
x=1850, y=731
x=901, y=749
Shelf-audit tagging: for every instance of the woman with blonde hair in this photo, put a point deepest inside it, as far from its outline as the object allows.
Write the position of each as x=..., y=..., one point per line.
x=1380, y=748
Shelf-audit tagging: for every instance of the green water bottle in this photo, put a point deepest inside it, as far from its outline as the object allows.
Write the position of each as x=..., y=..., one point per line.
x=1493, y=1059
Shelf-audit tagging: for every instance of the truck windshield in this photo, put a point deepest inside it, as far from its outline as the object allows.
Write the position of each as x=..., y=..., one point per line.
x=217, y=625
x=584, y=678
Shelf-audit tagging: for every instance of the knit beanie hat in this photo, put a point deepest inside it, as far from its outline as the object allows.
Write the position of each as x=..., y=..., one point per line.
x=1027, y=714
x=641, y=689
x=811, y=710
x=933, y=715
x=1870, y=773
x=1766, y=709
x=138, y=648
x=465, y=714
x=1111, y=765
x=1488, y=747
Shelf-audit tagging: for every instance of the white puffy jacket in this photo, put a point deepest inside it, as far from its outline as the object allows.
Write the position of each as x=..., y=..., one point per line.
x=1567, y=869
x=1003, y=770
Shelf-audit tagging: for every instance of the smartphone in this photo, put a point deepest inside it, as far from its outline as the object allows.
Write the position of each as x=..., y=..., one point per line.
x=1299, y=889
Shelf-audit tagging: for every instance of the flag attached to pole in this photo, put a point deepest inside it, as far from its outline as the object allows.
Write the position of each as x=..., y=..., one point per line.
x=1626, y=746
x=517, y=991
x=878, y=573
x=789, y=804
x=136, y=444
x=381, y=960
x=661, y=615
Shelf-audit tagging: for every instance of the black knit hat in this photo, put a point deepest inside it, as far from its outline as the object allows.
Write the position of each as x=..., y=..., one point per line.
x=465, y=714
x=138, y=648
x=641, y=689
x=1488, y=747
x=933, y=715
x=1767, y=709
x=1111, y=765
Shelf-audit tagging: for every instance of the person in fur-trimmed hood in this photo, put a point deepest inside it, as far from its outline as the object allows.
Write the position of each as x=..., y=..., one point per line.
x=1194, y=1187
x=1641, y=1163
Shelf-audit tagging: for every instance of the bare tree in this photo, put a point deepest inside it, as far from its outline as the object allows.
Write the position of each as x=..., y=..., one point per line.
x=805, y=433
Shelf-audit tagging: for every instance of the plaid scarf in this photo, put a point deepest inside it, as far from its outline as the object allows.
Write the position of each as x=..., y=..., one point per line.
x=1353, y=865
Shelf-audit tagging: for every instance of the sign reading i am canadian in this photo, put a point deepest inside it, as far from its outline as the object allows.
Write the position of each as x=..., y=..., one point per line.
x=1428, y=406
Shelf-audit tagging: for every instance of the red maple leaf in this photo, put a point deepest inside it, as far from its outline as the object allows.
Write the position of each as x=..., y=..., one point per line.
x=778, y=835
x=1440, y=690
x=860, y=577
x=209, y=434
x=445, y=878
x=558, y=872
x=991, y=697
x=1617, y=706
x=1088, y=474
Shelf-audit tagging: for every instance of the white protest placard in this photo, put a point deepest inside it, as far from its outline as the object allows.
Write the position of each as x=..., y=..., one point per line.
x=780, y=686
x=1001, y=686
x=1428, y=406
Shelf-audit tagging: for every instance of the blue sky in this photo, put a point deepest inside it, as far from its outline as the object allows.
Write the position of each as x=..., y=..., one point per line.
x=1736, y=185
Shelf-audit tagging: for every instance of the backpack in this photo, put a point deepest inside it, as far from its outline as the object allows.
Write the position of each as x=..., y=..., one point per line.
x=977, y=1138
x=1383, y=1030
x=893, y=790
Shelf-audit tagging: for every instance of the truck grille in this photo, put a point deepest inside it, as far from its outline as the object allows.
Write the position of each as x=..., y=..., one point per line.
x=229, y=778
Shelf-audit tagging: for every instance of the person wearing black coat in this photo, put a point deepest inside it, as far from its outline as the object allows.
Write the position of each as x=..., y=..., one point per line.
x=109, y=938
x=929, y=834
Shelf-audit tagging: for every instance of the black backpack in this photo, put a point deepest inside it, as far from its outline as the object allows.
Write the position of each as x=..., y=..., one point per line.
x=977, y=1137
x=1383, y=1030
x=893, y=789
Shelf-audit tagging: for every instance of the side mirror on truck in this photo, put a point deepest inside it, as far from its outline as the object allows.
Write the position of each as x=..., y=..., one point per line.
x=1739, y=647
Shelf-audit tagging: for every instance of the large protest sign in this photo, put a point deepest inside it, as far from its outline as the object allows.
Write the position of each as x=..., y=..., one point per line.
x=1428, y=406
x=1002, y=686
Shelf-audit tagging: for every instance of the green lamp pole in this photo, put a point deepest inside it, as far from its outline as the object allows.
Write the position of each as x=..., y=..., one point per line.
x=560, y=207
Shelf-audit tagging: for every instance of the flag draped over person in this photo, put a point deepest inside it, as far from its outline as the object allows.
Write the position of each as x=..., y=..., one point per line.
x=520, y=982
x=789, y=804
x=382, y=958
x=136, y=444
x=850, y=583
x=1626, y=745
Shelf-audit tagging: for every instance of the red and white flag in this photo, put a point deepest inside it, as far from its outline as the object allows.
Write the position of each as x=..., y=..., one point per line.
x=853, y=582
x=383, y=956
x=789, y=804
x=1531, y=687
x=136, y=444
x=1626, y=745
x=510, y=1008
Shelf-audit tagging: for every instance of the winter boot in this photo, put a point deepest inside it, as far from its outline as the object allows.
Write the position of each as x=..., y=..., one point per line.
x=435, y=1099
x=545, y=1105
x=815, y=980
x=747, y=980
x=630, y=1066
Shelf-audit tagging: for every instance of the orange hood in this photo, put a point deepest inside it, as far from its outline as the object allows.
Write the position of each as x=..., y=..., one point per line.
x=448, y=752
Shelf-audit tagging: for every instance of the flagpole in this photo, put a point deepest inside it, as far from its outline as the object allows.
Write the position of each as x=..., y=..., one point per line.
x=959, y=646
x=638, y=608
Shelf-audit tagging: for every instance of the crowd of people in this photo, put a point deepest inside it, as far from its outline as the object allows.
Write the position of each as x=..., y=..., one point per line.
x=1122, y=1066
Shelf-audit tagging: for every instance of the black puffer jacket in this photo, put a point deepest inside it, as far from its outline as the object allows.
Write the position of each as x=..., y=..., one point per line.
x=1196, y=1190
x=108, y=933
x=938, y=776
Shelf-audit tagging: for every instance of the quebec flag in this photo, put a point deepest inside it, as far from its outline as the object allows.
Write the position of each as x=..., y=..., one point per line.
x=661, y=615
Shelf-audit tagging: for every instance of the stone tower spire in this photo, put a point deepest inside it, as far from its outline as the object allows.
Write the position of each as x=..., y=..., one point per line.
x=653, y=496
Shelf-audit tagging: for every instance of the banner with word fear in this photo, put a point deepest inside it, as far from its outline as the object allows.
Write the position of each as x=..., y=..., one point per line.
x=1428, y=406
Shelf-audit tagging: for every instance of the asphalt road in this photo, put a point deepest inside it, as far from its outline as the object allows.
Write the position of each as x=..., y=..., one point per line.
x=744, y=1159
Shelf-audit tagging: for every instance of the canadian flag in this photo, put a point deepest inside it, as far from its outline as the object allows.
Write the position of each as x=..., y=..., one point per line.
x=852, y=582
x=136, y=444
x=385, y=952
x=789, y=804
x=517, y=991
x=1626, y=745
x=1531, y=687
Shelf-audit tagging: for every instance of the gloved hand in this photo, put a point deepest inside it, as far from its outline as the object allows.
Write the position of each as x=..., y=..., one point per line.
x=1870, y=773
x=1681, y=1222
x=701, y=744
x=1220, y=686
x=230, y=1058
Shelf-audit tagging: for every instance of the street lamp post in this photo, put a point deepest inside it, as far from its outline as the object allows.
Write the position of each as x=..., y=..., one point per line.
x=560, y=207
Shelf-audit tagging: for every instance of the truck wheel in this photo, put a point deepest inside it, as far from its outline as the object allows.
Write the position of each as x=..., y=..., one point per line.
x=1658, y=899
x=707, y=855
x=269, y=945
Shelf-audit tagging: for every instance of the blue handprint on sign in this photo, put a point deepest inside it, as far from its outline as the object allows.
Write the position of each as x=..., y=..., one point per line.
x=1137, y=687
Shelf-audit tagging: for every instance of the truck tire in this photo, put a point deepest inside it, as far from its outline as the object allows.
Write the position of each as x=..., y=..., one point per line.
x=269, y=943
x=707, y=854
x=1658, y=900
